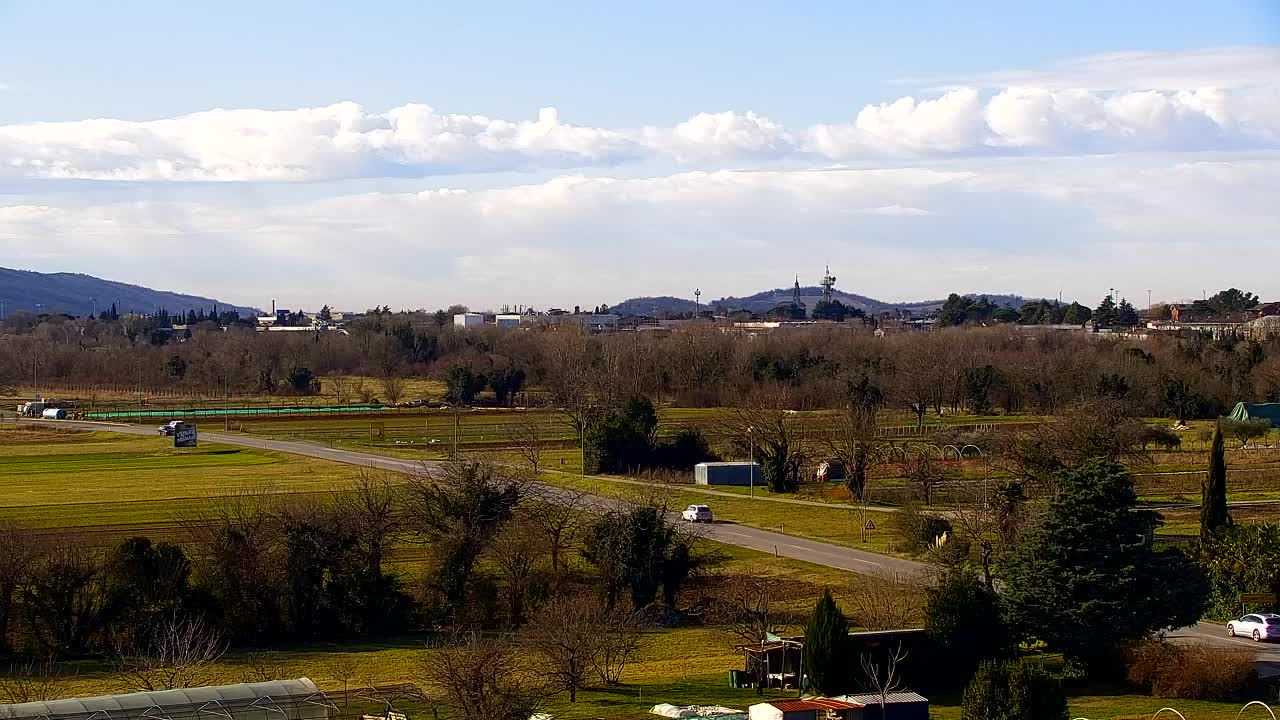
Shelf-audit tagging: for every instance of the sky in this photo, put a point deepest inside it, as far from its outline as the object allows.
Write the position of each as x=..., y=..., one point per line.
x=576, y=153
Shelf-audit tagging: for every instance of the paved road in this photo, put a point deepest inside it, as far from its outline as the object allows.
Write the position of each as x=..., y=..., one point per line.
x=818, y=553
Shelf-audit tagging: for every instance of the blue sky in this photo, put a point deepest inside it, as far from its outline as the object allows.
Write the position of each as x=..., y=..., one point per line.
x=882, y=130
x=609, y=64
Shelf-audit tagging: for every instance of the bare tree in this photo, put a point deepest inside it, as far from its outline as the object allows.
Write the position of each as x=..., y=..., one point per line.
x=19, y=549
x=622, y=640
x=885, y=676
x=527, y=437
x=341, y=385
x=480, y=679
x=392, y=388
x=887, y=601
x=515, y=552
x=342, y=668
x=925, y=472
x=571, y=382
x=372, y=509
x=565, y=635
x=559, y=516
x=33, y=681
x=264, y=666
x=753, y=606
x=178, y=654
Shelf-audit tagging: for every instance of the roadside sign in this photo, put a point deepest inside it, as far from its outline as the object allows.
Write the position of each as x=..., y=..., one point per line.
x=870, y=525
x=1257, y=598
x=184, y=436
x=377, y=431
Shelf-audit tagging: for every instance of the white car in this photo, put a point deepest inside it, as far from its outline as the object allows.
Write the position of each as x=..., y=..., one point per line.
x=170, y=427
x=1259, y=626
x=697, y=513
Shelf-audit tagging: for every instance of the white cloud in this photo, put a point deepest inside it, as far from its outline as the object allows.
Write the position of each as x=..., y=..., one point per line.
x=1030, y=225
x=1224, y=67
x=893, y=211
x=1120, y=103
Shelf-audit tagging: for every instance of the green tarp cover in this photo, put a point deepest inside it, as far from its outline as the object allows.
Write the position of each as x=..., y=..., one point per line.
x=1249, y=411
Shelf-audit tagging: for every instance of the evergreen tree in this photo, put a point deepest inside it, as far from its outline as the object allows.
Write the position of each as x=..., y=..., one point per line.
x=827, y=661
x=1013, y=690
x=1213, y=490
x=965, y=619
x=1087, y=579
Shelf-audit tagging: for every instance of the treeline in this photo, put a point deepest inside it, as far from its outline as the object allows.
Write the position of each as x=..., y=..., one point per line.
x=992, y=370
x=268, y=570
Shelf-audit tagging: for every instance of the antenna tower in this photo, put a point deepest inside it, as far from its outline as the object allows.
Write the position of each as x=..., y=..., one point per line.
x=828, y=284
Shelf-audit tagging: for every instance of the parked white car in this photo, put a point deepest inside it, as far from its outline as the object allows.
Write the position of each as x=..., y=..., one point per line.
x=1259, y=626
x=697, y=513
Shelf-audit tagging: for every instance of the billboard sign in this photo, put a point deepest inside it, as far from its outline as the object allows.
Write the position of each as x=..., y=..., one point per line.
x=184, y=436
x=377, y=431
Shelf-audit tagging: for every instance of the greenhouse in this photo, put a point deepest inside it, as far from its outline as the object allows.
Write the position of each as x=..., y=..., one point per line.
x=276, y=700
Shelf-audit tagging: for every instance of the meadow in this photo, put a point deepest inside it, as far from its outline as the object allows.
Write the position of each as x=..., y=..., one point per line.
x=120, y=484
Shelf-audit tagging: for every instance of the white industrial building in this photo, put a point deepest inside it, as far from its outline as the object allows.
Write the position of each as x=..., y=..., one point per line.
x=468, y=320
x=507, y=320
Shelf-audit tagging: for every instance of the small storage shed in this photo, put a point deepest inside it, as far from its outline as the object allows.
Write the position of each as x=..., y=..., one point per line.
x=727, y=473
x=806, y=709
x=893, y=706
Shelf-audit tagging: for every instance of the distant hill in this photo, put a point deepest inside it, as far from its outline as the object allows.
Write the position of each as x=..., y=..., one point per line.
x=763, y=301
x=73, y=294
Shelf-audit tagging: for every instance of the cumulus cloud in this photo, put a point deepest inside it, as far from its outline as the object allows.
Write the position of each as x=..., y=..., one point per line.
x=1130, y=102
x=1030, y=225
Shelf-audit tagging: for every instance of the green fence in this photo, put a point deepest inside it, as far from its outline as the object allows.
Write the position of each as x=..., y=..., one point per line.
x=234, y=412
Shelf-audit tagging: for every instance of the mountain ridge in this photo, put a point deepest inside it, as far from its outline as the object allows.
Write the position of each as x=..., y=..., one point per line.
x=74, y=294
x=765, y=300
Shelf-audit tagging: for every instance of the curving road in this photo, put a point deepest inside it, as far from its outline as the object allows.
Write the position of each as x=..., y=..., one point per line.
x=818, y=553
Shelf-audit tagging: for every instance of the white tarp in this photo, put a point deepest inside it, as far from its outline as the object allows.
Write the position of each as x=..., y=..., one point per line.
x=697, y=712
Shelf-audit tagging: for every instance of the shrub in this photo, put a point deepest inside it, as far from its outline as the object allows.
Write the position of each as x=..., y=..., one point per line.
x=1012, y=690
x=916, y=531
x=1189, y=672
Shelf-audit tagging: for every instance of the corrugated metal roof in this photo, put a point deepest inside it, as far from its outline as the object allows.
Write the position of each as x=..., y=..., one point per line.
x=891, y=698
x=140, y=701
x=812, y=704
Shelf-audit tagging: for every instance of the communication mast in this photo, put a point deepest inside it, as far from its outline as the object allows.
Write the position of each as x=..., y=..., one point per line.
x=697, y=302
x=828, y=284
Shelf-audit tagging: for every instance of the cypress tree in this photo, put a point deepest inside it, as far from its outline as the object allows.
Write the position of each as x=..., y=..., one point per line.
x=1213, y=491
x=826, y=648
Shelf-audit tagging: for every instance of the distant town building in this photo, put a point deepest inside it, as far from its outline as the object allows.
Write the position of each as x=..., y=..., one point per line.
x=468, y=320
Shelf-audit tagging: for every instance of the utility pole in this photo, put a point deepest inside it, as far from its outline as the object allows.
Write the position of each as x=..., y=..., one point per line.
x=751, y=462
x=456, y=430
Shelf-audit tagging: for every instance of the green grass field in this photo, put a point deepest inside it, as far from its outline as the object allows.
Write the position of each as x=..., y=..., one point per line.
x=101, y=478
x=68, y=479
